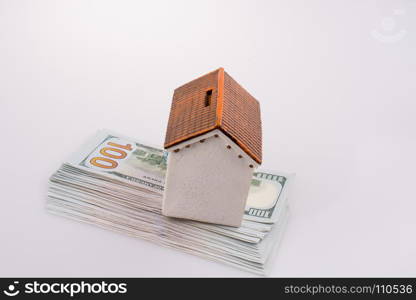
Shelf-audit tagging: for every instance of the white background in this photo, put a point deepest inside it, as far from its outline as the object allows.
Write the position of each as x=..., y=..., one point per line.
x=336, y=83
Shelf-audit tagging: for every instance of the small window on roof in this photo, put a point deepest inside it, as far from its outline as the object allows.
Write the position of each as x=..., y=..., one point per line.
x=208, y=95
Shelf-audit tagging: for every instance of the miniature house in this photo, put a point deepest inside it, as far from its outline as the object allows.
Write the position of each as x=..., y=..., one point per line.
x=215, y=143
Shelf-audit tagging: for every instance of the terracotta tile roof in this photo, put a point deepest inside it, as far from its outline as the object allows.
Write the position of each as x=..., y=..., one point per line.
x=215, y=101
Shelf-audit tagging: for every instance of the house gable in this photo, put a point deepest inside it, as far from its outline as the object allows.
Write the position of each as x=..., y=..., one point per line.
x=227, y=145
x=216, y=195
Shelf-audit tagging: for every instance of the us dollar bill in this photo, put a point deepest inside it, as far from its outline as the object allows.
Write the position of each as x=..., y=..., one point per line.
x=121, y=158
x=267, y=194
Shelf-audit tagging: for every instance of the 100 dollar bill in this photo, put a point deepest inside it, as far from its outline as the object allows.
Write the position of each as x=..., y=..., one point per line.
x=144, y=166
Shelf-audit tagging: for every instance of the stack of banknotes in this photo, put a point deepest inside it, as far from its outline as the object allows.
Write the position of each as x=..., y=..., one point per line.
x=117, y=183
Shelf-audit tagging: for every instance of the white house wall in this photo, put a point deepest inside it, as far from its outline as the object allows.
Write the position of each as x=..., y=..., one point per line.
x=207, y=181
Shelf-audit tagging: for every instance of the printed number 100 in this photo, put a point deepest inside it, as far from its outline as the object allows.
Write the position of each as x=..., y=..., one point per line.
x=111, y=153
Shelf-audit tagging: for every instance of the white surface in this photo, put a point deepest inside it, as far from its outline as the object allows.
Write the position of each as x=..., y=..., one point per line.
x=208, y=182
x=338, y=108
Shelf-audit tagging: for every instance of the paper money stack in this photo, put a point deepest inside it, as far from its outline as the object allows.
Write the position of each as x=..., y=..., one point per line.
x=117, y=183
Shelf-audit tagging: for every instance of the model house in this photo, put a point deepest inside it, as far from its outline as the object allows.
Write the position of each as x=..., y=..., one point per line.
x=214, y=141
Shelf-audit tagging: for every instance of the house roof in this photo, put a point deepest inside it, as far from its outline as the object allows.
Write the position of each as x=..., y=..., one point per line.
x=215, y=101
